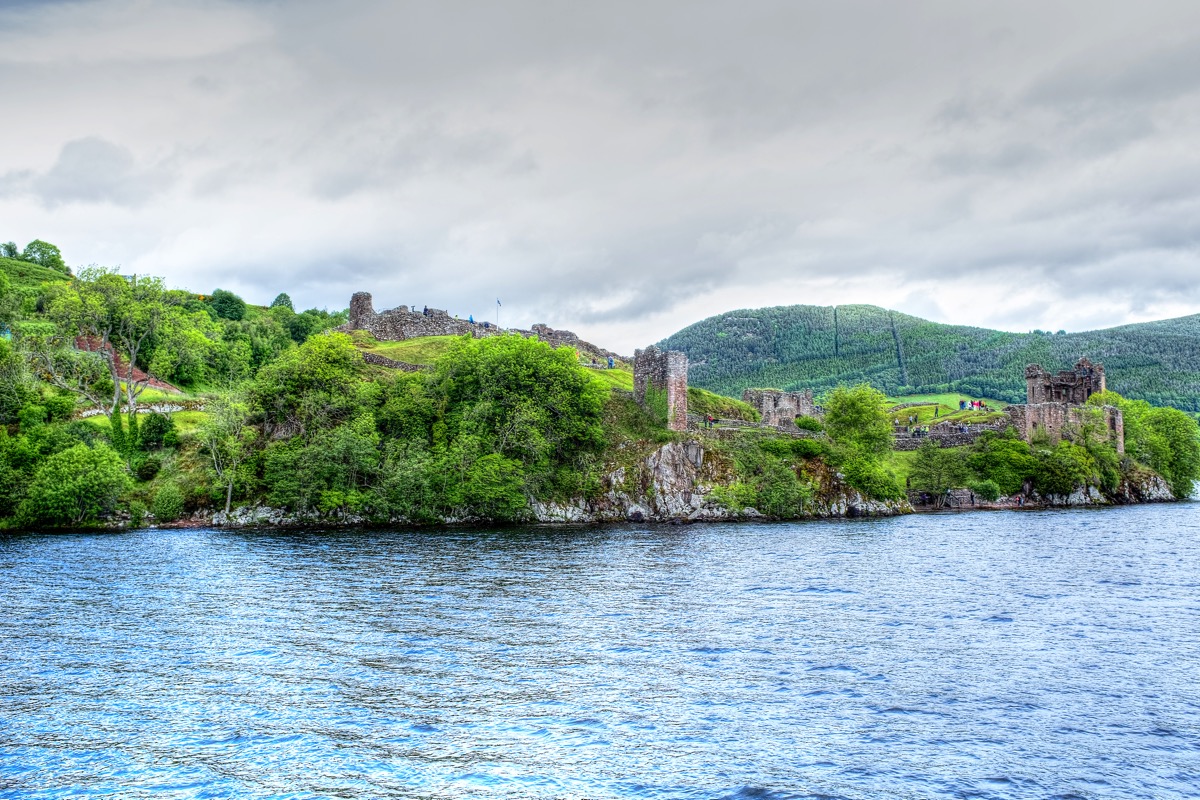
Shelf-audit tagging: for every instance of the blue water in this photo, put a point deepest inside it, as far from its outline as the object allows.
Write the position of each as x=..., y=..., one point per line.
x=990, y=655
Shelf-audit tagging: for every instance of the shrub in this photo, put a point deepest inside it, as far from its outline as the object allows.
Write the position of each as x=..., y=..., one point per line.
x=59, y=407
x=988, y=490
x=168, y=503
x=148, y=468
x=74, y=487
x=806, y=423
x=870, y=478
x=31, y=417
x=157, y=430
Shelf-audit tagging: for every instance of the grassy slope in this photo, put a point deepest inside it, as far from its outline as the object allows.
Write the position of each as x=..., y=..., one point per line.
x=794, y=347
x=24, y=275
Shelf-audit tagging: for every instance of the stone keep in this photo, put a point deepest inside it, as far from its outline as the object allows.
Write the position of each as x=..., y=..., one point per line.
x=662, y=371
x=1056, y=408
x=780, y=408
x=1069, y=386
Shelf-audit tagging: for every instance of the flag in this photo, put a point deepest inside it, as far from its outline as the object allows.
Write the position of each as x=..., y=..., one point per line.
x=497, y=301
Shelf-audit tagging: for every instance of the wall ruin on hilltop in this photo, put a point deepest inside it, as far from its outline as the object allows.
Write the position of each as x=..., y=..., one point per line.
x=660, y=383
x=401, y=323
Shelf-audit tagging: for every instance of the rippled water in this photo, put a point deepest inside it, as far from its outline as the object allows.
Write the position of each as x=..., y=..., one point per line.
x=989, y=655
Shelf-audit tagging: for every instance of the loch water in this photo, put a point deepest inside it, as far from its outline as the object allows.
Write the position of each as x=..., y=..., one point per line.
x=989, y=655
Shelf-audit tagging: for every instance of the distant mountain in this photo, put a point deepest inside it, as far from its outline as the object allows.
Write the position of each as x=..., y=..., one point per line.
x=817, y=347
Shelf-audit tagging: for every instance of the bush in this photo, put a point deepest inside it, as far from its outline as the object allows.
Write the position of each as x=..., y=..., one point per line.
x=74, y=487
x=870, y=478
x=31, y=417
x=157, y=430
x=168, y=503
x=988, y=490
x=148, y=468
x=806, y=423
x=59, y=407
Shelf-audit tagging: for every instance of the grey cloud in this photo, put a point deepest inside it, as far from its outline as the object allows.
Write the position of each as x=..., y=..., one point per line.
x=1115, y=75
x=610, y=163
x=90, y=170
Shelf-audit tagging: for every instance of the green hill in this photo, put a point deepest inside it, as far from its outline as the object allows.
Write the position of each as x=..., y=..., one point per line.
x=817, y=347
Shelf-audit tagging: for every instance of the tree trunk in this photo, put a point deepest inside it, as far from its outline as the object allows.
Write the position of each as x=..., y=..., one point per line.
x=228, y=496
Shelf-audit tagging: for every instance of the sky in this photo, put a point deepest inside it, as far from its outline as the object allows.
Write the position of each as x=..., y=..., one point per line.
x=620, y=169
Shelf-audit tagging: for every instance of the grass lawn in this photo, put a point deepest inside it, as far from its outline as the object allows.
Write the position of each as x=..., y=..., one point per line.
x=613, y=378
x=185, y=421
x=423, y=350
x=946, y=408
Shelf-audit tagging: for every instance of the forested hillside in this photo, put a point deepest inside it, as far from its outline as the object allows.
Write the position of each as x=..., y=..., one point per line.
x=818, y=347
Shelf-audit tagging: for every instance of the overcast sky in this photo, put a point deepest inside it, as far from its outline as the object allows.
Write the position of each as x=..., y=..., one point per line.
x=620, y=169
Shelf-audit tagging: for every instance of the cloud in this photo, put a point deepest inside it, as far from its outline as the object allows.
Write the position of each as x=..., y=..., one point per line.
x=621, y=168
x=90, y=170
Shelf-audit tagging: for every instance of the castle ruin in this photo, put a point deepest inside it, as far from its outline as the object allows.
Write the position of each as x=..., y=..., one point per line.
x=1056, y=405
x=401, y=323
x=779, y=408
x=1073, y=386
x=660, y=381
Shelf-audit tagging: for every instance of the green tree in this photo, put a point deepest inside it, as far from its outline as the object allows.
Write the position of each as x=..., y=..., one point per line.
x=1064, y=469
x=1005, y=459
x=10, y=250
x=937, y=470
x=227, y=437
x=855, y=418
x=74, y=487
x=1180, y=464
x=168, y=503
x=45, y=254
x=228, y=305
x=104, y=321
x=282, y=300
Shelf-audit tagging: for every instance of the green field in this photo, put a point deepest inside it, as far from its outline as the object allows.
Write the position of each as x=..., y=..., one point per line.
x=945, y=406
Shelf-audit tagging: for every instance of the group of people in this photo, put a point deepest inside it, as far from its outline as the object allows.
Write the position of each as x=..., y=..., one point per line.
x=974, y=405
x=709, y=421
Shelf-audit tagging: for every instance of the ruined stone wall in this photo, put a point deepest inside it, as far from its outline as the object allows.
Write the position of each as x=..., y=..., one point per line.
x=662, y=375
x=1058, y=420
x=948, y=435
x=400, y=323
x=781, y=408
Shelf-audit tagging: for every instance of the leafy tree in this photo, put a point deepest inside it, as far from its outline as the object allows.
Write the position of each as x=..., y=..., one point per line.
x=10, y=250
x=228, y=439
x=1064, y=469
x=1005, y=459
x=1181, y=465
x=74, y=487
x=282, y=300
x=109, y=317
x=46, y=255
x=308, y=388
x=16, y=383
x=855, y=418
x=158, y=430
x=228, y=305
x=937, y=470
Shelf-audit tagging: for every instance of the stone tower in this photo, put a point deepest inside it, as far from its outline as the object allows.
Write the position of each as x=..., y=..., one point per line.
x=1072, y=386
x=661, y=375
